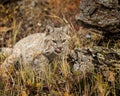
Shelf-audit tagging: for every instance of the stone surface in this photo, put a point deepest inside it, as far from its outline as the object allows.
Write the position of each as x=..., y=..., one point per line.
x=98, y=60
x=101, y=14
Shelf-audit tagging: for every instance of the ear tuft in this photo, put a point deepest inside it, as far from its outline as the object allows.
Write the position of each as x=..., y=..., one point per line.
x=67, y=29
x=49, y=29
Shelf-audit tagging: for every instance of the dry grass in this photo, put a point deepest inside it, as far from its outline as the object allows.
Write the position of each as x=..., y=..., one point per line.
x=55, y=80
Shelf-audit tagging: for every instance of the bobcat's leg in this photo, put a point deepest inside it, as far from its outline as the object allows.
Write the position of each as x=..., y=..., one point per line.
x=7, y=64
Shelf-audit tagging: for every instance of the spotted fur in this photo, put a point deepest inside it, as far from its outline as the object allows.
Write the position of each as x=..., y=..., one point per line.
x=52, y=44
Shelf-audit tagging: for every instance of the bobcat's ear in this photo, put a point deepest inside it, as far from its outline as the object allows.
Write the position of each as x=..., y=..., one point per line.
x=49, y=29
x=67, y=29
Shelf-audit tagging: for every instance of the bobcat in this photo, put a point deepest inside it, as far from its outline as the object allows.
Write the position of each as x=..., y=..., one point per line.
x=50, y=45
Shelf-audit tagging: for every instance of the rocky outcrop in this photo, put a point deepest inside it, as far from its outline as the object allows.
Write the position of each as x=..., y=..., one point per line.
x=97, y=59
x=100, y=14
x=100, y=63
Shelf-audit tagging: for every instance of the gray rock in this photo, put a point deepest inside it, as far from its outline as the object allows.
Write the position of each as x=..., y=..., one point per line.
x=98, y=60
x=81, y=61
x=102, y=14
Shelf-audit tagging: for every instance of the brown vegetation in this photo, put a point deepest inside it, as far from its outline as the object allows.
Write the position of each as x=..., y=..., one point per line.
x=101, y=76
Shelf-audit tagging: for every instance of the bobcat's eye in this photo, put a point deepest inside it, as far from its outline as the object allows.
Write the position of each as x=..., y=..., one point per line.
x=63, y=41
x=54, y=41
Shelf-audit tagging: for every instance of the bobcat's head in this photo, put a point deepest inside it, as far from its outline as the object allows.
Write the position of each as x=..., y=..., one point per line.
x=58, y=40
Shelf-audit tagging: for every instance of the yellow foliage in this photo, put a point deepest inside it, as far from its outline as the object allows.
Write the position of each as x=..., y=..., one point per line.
x=66, y=94
x=24, y=93
x=38, y=85
x=111, y=77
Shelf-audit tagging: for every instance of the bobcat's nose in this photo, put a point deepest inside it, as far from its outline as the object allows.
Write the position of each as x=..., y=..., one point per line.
x=58, y=49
